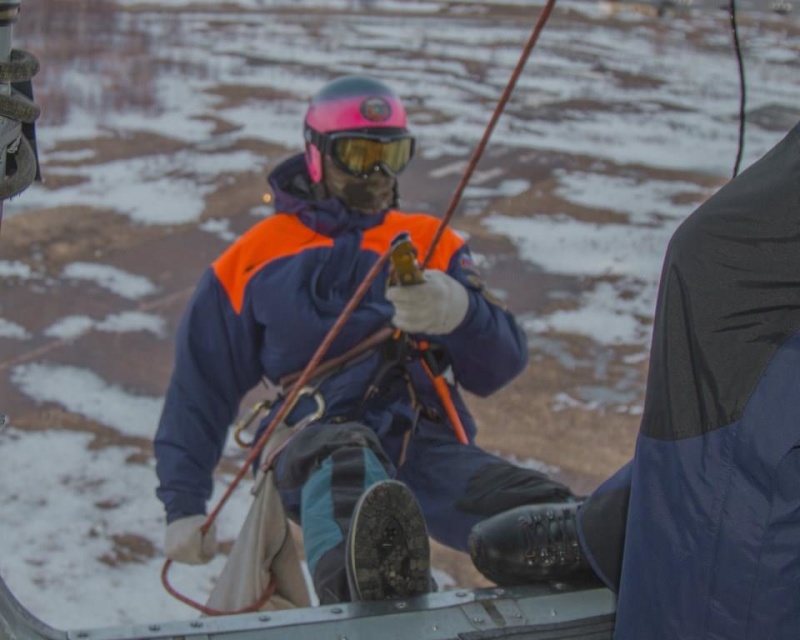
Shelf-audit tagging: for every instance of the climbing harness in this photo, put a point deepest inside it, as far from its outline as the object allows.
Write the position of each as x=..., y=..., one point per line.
x=323, y=371
x=347, y=358
x=376, y=269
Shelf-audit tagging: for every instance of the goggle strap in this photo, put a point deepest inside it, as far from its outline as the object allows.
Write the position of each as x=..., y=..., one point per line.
x=316, y=138
x=323, y=140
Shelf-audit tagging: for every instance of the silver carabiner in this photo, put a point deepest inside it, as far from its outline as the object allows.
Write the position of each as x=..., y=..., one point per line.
x=242, y=425
x=298, y=426
x=314, y=415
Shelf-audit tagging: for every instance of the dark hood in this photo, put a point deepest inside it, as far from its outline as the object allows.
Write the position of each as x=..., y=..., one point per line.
x=291, y=187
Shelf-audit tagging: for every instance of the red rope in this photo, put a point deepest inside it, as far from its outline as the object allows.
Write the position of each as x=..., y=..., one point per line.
x=501, y=104
x=209, y=611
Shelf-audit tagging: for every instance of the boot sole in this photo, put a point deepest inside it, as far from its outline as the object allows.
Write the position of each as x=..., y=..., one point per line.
x=388, y=551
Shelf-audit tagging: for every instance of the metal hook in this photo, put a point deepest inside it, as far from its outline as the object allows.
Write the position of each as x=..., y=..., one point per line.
x=243, y=424
x=314, y=415
x=240, y=426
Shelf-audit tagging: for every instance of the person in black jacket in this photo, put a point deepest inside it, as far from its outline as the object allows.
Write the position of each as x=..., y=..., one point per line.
x=700, y=532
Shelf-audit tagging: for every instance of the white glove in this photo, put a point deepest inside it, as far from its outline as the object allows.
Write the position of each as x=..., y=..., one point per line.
x=185, y=543
x=437, y=306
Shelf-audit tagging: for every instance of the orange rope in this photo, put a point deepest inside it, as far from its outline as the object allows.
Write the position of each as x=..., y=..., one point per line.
x=443, y=391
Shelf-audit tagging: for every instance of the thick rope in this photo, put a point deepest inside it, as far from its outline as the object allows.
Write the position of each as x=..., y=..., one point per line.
x=21, y=164
x=21, y=66
x=25, y=173
x=19, y=107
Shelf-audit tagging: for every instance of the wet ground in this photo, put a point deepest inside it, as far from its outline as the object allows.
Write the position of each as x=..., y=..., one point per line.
x=124, y=187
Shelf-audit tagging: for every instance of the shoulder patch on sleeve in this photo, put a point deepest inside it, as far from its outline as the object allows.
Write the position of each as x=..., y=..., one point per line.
x=466, y=262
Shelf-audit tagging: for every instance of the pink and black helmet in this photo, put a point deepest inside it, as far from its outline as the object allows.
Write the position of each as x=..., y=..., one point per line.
x=354, y=104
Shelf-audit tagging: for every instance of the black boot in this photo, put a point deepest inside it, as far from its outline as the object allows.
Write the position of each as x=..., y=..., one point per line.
x=532, y=543
x=388, y=551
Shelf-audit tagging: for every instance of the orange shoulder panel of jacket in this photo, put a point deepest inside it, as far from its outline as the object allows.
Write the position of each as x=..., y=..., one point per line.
x=276, y=237
x=422, y=227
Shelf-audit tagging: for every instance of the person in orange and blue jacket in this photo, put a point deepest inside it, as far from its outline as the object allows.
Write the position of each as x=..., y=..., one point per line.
x=382, y=463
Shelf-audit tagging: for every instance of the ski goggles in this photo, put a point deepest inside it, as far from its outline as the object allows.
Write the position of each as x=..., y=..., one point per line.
x=361, y=154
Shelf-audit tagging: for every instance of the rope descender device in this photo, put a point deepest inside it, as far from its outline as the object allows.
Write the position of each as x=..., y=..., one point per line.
x=405, y=266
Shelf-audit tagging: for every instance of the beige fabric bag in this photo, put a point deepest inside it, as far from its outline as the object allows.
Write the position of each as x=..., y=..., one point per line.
x=264, y=547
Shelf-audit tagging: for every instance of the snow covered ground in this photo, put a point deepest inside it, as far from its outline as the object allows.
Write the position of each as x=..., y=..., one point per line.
x=639, y=112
